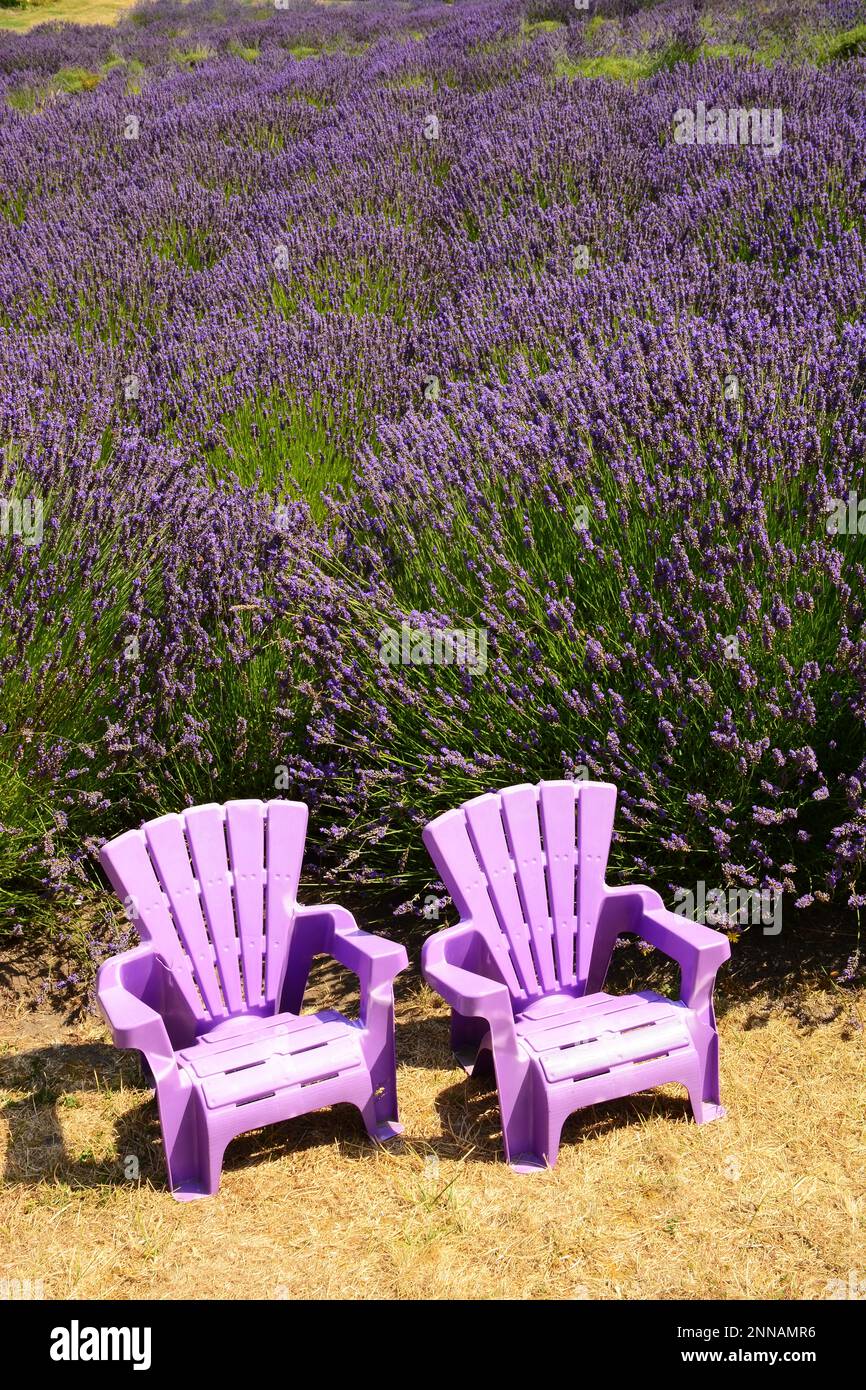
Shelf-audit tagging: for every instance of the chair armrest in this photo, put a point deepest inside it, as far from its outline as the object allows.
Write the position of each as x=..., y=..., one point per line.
x=641, y=909
x=120, y=986
x=680, y=937
x=364, y=952
x=332, y=930
x=471, y=994
x=698, y=950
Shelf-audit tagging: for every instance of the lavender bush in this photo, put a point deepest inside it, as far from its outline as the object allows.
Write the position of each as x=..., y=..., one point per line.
x=328, y=322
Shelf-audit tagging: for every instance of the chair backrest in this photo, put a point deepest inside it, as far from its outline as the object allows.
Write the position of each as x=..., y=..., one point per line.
x=527, y=865
x=215, y=889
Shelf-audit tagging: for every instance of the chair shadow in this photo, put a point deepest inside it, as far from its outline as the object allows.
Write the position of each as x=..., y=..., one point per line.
x=471, y=1120
x=469, y=1111
x=51, y=1080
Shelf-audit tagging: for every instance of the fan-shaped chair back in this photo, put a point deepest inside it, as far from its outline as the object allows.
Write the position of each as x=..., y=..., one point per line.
x=527, y=865
x=215, y=890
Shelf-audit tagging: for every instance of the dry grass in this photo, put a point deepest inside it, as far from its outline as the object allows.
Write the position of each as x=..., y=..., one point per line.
x=770, y=1203
x=22, y=17
x=69, y=11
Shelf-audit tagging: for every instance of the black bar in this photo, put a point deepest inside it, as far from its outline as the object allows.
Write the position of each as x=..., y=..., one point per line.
x=192, y=1340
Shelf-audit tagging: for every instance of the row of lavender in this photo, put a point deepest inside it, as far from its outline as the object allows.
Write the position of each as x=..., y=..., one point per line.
x=328, y=329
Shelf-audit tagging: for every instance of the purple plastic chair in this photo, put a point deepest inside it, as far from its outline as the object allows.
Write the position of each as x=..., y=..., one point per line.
x=213, y=996
x=524, y=970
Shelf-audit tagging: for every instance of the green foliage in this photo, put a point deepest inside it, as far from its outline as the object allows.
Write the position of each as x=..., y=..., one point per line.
x=192, y=57
x=833, y=47
x=30, y=99
x=77, y=80
x=615, y=69
x=26, y=99
x=292, y=448
x=245, y=51
x=541, y=26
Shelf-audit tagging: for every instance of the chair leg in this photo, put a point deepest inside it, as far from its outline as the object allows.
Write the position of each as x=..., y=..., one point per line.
x=379, y=1113
x=518, y=1102
x=187, y=1183
x=211, y=1169
x=379, y=1106
x=550, y=1152
x=704, y=1087
x=192, y=1159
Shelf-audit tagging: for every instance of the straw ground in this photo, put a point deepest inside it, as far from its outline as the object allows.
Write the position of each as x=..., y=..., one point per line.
x=769, y=1203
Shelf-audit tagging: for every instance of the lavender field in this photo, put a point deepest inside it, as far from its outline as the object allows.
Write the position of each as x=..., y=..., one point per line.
x=326, y=329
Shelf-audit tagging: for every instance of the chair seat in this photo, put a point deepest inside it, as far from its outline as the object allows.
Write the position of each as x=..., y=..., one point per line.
x=602, y=1033
x=248, y=1059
